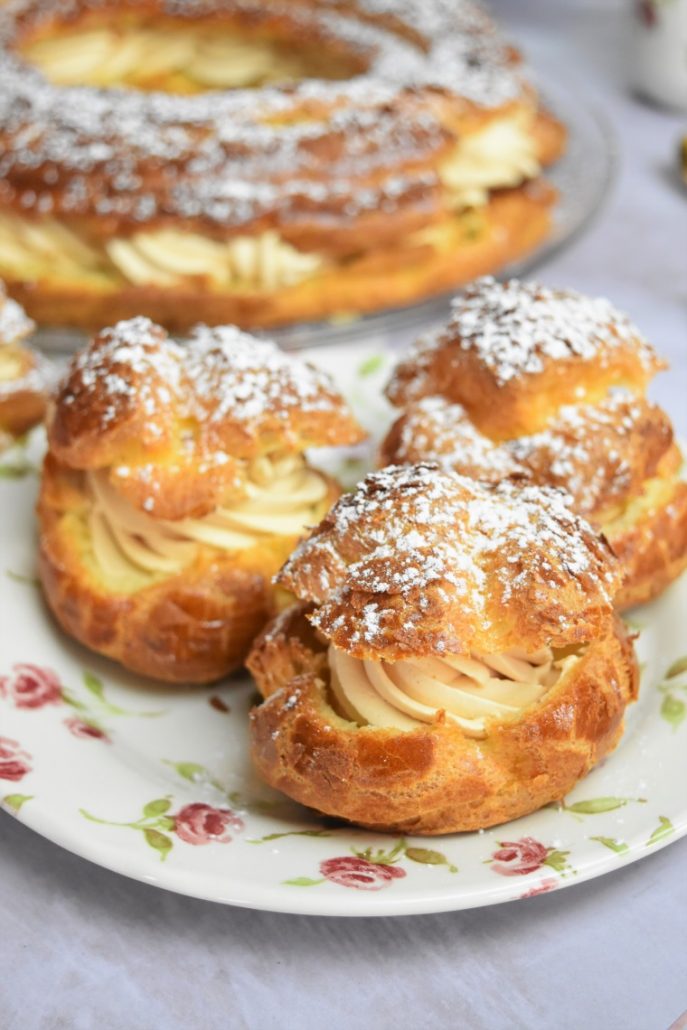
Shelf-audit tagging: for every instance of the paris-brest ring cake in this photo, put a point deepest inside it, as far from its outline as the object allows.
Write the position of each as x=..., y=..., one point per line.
x=260, y=162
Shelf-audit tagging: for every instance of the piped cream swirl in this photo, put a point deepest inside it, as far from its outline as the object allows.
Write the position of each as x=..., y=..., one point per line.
x=502, y=154
x=402, y=695
x=37, y=248
x=283, y=496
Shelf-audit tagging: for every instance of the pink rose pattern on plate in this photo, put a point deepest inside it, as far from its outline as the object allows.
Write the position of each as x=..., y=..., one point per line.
x=368, y=870
x=351, y=871
x=202, y=824
x=520, y=857
x=197, y=823
x=15, y=763
x=543, y=887
x=85, y=730
x=31, y=686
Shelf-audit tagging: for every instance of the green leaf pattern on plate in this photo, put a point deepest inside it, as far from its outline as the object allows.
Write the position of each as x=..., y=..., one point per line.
x=664, y=829
x=598, y=806
x=619, y=846
x=15, y=801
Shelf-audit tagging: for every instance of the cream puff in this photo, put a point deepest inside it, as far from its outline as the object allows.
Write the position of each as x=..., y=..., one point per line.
x=24, y=375
x=549, y=385
x=174, y=487
x=453, y=660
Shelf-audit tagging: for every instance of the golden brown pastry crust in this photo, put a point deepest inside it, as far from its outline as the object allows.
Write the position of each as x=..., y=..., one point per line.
x=431, y=780
x=193, y=627
x=653, y=550
x=514, y=353
x=176, y=430
x=512, y=400
x=394, y=274
x=601, y=455
x=420, y=561
x=177, y=425
x=348, y=171
x=23, y=394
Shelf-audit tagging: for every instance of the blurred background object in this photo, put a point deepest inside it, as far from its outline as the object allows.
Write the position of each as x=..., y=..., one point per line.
x=658, y=58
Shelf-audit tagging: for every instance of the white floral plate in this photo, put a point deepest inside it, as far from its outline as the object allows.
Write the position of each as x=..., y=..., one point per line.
x=156, y=783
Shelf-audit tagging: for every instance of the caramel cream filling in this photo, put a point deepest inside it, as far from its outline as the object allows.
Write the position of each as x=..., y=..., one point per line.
x=179, y=60
x=470, y=690
x=504, y=153
x=283, y=497
x=47, y=249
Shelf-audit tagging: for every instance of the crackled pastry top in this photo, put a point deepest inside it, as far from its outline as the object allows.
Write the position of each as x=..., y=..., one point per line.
x=601, y=454
x=241, y=157
x=421, y=562
x=507, y=342
x=179, y=427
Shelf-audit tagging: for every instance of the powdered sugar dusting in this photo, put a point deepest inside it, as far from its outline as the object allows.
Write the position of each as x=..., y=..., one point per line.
x=417, y=547
x=599, y=454
x=236, y=376
x=15, y=325
x=516, y=327
x=81, y=150
x=132, y=366
x=222, y=379
x=435, y=429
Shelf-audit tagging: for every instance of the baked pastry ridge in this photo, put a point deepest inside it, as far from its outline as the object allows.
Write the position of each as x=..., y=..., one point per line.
x=347, y=158
x=25, y=377
x=513, y=353
x=549, y=386
x=453, y=662
x=174, y=487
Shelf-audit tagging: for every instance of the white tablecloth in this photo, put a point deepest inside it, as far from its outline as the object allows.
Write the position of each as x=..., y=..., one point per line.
x=81, y=947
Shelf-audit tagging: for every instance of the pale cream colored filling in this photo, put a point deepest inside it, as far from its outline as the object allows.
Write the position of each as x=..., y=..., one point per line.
x=502, y=154
x=166, y=257
x=10, y=364
x=283, y=497
x=34, y=250
x=197, y=56
x=470, y=690
x=656, y=493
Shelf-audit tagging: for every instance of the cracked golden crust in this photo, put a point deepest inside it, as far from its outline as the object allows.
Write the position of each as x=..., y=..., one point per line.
x=176, y=425
x=615, y=457
x=431, y=780
x=395, y=273
x=526, y=351
x=420, y=561
x=193, y=627
x=601, y=455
